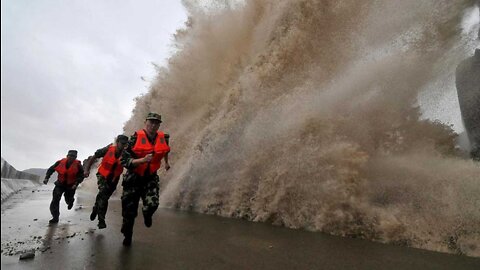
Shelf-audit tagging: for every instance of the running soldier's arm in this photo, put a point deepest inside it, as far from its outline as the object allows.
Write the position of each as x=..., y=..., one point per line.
x=88, y=165
x=100, y=153
x=167, y=138
x=51, y=170
x=127, y=155
x=165, y=158
x=80, y=174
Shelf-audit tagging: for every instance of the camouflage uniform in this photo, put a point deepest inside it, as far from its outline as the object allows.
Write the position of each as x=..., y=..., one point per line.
x=136, y=187
x=106, y=186
x=105, y=191
x=60, y=189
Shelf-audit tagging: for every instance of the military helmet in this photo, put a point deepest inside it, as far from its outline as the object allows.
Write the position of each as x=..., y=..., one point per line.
x=72, y=153
x=122, y=139
x=153, y=116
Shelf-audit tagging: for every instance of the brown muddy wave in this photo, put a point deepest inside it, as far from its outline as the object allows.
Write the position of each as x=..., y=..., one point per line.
x=304, y=114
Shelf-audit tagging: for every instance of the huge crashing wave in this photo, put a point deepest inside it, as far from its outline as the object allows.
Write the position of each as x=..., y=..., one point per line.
x=305, y=114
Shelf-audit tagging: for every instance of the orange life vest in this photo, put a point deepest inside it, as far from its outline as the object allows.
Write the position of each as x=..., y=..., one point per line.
x=67, y=176
x=143, y=147
x=110, y=165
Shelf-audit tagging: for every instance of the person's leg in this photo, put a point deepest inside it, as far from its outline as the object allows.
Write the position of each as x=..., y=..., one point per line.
x=69, y=196
x=94, y=213
x=130, y=200
x=100, y=181
x=55, y=204
x=105, y=191
x=150, y=200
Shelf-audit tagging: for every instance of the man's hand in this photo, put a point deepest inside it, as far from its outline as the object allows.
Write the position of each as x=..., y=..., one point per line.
x=147, y=158
x=86, y=173
x=167, y=166
x=45, y=181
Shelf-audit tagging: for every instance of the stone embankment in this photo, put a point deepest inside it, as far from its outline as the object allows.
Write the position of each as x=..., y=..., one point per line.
x=14, y=181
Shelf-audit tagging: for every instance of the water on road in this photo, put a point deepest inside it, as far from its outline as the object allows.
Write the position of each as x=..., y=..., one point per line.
x=184, y=240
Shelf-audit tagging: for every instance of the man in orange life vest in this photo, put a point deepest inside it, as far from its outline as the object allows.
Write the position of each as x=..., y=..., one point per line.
x=108, y=175
x=70, y=174
x=142, y=157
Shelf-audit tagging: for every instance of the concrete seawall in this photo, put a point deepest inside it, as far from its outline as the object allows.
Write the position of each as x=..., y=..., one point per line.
x=14, y=181
x=11, y=186
x=8, y=171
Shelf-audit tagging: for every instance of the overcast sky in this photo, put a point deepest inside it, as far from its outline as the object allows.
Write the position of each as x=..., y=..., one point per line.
x=71, y=69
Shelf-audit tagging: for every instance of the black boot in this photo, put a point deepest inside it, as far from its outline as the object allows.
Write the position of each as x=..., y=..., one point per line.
x=127, y=230
x=101, y=224
x=147, y=219
x=93, y=215
x=70, y=204
x=127, y=241
x=53, y=221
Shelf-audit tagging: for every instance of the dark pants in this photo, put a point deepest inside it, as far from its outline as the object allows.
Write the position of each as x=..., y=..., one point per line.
x=137, y=187
x=67, y=192
x=105, y=190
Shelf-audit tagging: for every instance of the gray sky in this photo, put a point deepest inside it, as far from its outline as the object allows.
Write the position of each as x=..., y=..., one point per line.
x=71, y=69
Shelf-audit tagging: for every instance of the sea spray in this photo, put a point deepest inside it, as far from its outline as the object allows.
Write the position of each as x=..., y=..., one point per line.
x=305, y=114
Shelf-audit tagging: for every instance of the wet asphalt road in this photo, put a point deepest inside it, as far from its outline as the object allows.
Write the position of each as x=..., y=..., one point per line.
x=182, y=240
